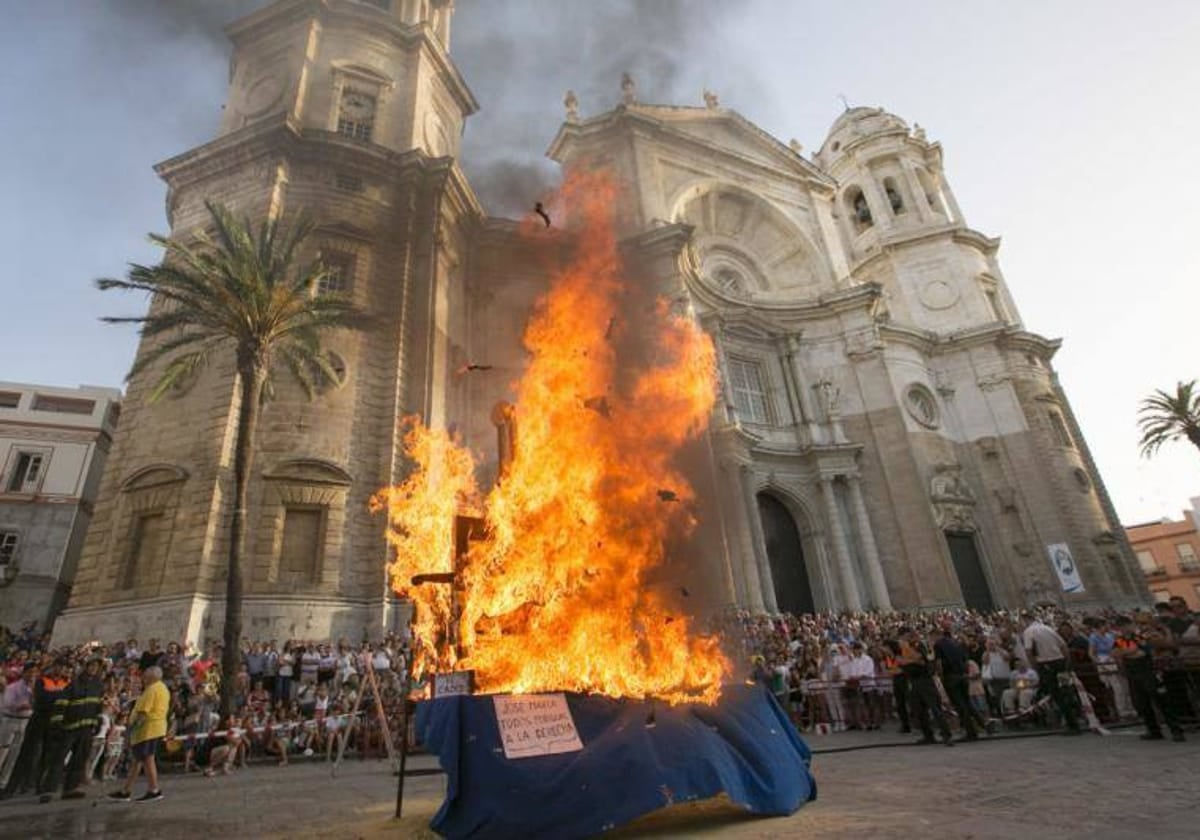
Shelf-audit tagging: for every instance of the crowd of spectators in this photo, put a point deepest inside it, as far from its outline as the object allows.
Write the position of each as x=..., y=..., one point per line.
x=838, y=671
x=77, y=706
x=290, y=699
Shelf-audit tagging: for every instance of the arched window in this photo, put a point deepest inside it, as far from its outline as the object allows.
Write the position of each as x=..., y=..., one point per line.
x=1062, y=435
x=893, y=196
x=860, y=211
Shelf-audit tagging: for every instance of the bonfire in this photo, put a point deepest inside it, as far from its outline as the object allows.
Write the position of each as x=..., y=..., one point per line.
x=564, y=590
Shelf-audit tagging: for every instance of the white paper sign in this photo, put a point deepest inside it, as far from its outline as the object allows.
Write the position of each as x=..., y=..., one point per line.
x=536, y=724
x=1064, y=567
x=453, y=683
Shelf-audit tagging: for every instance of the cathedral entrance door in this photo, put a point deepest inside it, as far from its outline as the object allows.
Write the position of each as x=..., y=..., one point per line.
x=969, y=569
x=793, y=592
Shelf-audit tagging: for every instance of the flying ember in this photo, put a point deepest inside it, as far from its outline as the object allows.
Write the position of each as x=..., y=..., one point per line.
x=561, y=592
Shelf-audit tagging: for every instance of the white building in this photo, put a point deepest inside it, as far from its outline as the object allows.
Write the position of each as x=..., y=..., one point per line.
x=53, y=444
x=891, y=433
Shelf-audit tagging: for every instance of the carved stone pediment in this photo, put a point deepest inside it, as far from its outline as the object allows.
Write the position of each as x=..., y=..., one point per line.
x=155, y=475
x=309, y=471
x=953, y=501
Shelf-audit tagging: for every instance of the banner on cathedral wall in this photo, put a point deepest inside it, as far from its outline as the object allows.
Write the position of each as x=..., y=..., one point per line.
x=1064, y=567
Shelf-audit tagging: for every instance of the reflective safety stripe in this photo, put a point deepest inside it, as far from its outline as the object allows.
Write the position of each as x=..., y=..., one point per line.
x=96, y=700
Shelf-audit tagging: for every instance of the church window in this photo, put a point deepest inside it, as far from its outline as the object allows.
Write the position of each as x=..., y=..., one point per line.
x=303, y=543
x=1062, y=436
x=749, y=394
x=9, y=399
x=9, y=540
x=339, y=274
x=921, y=405
x=321, y=380
x=356, y=115
x=895, y=200
x=27, y=472
x=860, y=211
x=147, y=549
x=1081, y=479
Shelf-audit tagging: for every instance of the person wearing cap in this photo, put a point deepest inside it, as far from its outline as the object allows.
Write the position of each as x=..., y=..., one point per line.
x=76, y=718
x=15, y=711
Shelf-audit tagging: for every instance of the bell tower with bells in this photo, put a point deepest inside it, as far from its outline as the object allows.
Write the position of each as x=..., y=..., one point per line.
x=901, y=226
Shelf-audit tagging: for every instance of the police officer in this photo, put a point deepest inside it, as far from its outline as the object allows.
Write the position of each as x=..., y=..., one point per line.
x=1137, y=657
x=916, y=662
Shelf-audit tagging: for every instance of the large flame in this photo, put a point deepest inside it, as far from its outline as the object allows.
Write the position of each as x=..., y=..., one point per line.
x=560, y=594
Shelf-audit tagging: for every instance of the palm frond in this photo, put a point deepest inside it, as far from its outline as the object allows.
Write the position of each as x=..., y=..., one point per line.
x=1164, y=417
x=241, y=286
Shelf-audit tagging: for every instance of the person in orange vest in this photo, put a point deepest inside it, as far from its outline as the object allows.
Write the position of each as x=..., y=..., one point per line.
x=890, y=665
x=33, y=760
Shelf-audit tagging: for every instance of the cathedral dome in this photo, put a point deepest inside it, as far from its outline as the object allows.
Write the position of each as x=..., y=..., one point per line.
x=857, y=123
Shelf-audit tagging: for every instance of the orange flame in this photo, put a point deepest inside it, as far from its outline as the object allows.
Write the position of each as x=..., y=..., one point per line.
x=560, y=594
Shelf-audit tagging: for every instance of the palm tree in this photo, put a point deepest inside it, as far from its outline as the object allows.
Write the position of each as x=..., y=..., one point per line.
x=1166, y=417
x=242, y=291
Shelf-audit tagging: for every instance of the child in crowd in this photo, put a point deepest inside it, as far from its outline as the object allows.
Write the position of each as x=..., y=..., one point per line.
x=114, y=745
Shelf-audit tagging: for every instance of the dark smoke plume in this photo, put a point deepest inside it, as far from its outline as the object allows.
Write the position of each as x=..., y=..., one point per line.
x=518, y=56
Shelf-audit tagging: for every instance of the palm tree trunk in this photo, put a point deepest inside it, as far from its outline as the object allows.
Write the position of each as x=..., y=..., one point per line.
x=250, y=375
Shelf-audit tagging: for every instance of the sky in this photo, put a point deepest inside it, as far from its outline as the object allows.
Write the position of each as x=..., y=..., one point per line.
x=1067, y=129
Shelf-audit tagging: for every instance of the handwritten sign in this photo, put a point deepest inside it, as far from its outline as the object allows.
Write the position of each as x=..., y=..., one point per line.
x=453, y=683
x=536, y=724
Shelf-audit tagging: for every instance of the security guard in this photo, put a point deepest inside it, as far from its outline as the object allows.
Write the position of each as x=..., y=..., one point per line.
x=916, y=662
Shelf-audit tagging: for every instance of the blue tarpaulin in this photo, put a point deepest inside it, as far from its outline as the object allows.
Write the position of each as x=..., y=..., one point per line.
x=637, y=757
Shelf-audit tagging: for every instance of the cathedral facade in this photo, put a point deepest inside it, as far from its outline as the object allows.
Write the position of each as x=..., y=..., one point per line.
x=889, y=433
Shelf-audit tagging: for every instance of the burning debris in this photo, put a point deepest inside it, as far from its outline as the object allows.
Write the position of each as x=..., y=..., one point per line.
x=541, y=211
x=557, y=594
x=599, y=405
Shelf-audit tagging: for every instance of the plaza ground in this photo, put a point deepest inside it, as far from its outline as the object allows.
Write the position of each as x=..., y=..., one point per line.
x=1048, y=787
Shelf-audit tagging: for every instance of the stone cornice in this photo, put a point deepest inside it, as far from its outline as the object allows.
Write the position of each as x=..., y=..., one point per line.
x=954, y=231
x=784, y=160
x=1003, y=335
x=276, y=138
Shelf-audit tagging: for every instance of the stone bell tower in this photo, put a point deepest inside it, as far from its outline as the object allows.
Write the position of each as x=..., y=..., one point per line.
x=351, y=111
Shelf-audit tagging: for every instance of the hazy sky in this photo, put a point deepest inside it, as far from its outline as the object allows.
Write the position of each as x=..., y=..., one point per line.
x=1068, y=127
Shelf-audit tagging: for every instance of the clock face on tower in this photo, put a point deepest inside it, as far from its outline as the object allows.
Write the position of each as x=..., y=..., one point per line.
x=358, y=106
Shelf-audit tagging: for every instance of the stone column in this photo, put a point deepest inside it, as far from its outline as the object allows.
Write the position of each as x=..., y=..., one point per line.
x=841, y=549
x=723, y=369
x=875, y=579
x=918, y=192
x=758, y=540
x=803, y=393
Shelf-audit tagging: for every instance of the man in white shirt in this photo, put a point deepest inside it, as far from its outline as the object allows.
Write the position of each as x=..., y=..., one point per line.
x=1048, y=653
x=857, y=669
x=15, y=711
x=1021, y=691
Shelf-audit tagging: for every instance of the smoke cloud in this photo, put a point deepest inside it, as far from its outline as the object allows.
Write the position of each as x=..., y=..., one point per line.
x=518, y=56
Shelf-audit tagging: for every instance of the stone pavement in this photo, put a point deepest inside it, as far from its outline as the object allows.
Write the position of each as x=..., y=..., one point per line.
x=1117, y=787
